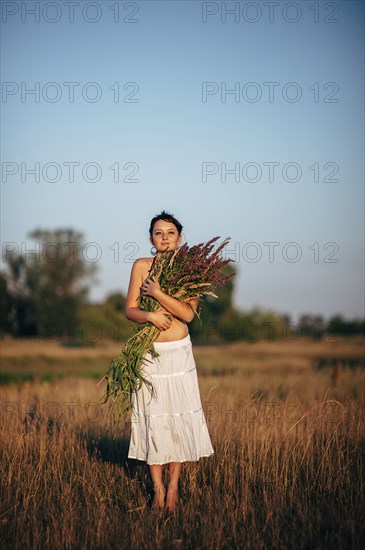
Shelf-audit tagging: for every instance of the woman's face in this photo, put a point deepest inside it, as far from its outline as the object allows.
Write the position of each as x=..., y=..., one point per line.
x=165, y=236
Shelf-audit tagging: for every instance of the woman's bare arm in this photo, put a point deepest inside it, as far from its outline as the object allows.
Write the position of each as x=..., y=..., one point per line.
x=179, y=309
x=132, y=310
x=158, y=318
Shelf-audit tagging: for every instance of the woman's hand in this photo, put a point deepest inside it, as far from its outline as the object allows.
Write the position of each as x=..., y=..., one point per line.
x=150, y=286
x=160, y=320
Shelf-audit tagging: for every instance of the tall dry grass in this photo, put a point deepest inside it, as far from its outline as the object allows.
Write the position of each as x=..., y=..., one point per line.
x=287, y=470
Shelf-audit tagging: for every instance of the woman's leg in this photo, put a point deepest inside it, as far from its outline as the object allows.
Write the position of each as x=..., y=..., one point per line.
x=173, y=485
x=158, y=486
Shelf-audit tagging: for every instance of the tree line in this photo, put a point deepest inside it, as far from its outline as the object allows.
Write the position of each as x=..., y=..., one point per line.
x=45, y=294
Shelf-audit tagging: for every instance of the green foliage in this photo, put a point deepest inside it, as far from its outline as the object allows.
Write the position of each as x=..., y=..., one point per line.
x=5, y=303
x=338, y=325
x=221, y=322
x=46, y=287
x=104, y=321
x=45, y=294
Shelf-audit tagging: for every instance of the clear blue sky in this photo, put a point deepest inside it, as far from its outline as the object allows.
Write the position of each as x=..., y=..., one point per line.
x=313, y=49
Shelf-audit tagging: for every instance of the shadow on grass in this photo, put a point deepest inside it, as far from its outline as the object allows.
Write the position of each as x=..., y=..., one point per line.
x=105, y=448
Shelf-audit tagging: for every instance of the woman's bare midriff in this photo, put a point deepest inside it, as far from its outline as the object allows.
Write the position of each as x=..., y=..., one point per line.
x=178, y=328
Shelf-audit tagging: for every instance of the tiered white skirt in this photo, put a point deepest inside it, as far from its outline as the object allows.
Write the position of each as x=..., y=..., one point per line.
x=171, y=426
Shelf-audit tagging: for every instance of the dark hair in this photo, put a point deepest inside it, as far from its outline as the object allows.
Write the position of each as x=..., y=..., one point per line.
x=167, y=218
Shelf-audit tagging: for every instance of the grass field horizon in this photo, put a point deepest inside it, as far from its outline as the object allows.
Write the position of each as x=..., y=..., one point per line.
x=286, y=421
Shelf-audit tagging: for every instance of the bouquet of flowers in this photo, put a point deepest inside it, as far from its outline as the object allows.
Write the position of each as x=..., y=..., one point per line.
x=183, y=273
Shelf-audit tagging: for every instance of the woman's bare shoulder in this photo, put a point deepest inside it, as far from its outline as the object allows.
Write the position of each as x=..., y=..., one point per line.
x=144, y=261
x=143, y=265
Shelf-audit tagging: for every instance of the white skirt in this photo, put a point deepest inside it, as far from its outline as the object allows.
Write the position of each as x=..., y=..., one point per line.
x=171, y=426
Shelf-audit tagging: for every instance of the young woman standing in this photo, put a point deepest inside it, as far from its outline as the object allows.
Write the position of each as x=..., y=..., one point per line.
x=169, y=428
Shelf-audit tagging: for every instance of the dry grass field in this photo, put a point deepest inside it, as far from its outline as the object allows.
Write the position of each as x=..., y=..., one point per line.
x=287, y=472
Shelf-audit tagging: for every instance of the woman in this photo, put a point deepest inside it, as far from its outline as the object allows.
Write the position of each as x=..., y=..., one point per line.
x=169, y=428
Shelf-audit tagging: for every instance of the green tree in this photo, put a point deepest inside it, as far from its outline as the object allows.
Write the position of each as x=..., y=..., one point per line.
x=48, y=286
x=6, y=303
x=338, y=325
x=108, y=318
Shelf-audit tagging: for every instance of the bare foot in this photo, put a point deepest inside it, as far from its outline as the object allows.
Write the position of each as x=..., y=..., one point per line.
x=159, y=497
x=172, y=498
